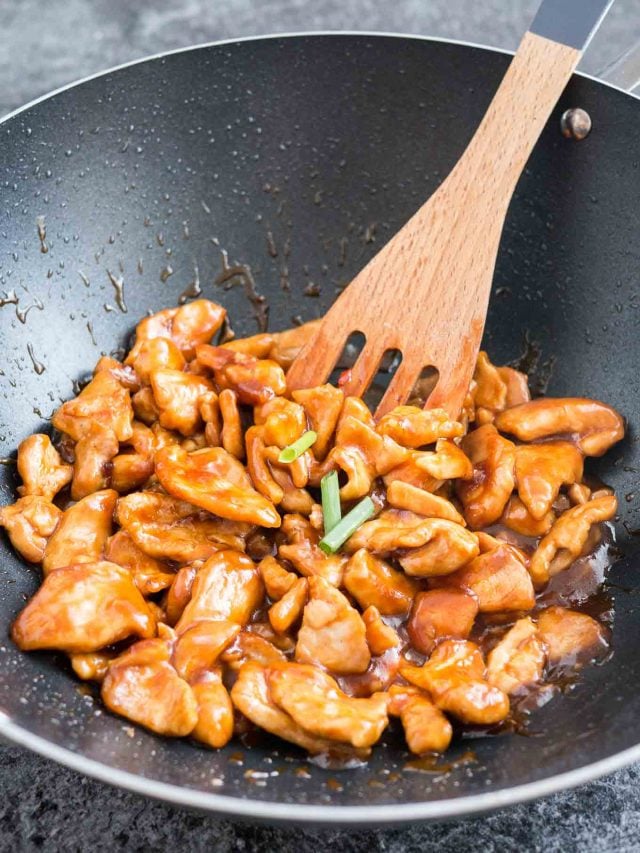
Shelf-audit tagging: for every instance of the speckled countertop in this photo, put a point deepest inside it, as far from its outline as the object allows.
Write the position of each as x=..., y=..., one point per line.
x=44, y=806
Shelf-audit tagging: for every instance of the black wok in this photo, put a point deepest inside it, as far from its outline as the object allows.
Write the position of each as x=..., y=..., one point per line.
x=300, y=156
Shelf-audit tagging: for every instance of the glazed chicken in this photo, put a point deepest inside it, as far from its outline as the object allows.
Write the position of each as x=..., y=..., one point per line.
x=219, y=553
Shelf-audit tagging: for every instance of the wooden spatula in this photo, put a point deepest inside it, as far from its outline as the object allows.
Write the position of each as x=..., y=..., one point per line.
x=426, y=292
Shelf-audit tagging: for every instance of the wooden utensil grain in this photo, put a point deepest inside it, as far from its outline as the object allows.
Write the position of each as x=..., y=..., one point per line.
x=426, y=293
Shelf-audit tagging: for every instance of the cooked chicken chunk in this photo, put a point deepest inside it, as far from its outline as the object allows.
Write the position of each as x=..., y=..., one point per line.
x=426, y=728
x=519, y=658
x=150, y=575
x=371, y=581
x=187, y=326
x=454, y=677
x=198, y=647
x=216, y=481
x=228, y=586
x=170, y=529
x=82, y=533
x=215, y=710
x=30, y=522
x=314, y=701
x=484, y=497
x=83, y=608
x=498, y=579
x=41, y=468
x=414, y=427
x=541, y=471
x=441, y=613
x=570, y=637
x=332, y=634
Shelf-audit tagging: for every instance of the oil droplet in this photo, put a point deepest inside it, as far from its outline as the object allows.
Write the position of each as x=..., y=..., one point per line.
x=118, y=286
x=84, y=277
x=193, y=289
x=38, y=366
x=271, y=245
x=90, y=330
x=42, y=234
x=241, y=274
x=166, y=273
x=9, y=298
x=21, y=313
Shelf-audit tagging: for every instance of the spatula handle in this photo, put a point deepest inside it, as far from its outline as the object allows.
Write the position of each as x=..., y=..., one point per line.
x=570, y=22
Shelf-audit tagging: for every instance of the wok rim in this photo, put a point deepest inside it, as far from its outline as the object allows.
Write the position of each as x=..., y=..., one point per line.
x=296, y=813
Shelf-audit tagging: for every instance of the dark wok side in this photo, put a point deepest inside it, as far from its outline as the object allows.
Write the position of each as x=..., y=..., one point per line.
x=300, y=156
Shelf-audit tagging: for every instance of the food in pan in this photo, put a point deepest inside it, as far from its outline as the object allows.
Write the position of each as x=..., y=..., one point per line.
x=220, y=554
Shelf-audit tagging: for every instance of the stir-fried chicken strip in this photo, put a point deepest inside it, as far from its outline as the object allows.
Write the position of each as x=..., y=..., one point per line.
x=194, y=521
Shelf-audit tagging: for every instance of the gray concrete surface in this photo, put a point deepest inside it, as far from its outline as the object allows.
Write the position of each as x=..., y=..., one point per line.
x=47, y=43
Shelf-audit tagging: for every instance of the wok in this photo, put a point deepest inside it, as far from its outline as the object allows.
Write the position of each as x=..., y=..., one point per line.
x=299, y=156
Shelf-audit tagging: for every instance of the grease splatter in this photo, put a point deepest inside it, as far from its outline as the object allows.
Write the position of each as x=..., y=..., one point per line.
x=118, y=286
x=38, y=366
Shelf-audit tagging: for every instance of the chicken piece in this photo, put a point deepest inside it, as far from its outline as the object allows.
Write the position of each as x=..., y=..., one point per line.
x=200, y=645
x=293, y=498
x=433, y=545
x=217, y=482
x=228, y=586
x=517, y=385
x=82, y=532
x=571, y=638
x=578, y=493
x=149, y=575
x=542, y=469
x=91, y=666
x=144, y=406
x=454, y=676
x=498, y=579
x=286, y=612
x=123, y=373
x=177, y=396
x=288, y=344
x=518, y=660
x=447, y=462
x=130, y=471
x=517, y=517
x=449, y=546
x=277, y=580
x=567, y=538
x=231, y=434
x=484, y=497
x=215, y=710
x=258, y=466
x=414, y=427
x=83, y=608
x=151, y=694
x=30, y=522
x=426, y=728
x=332, y=634
x=251, y=696
x=179, y=594
x=156, y=354
x=169, y=529
x=209, y=408
x=315, y=702
x=595, y=425
x=41, y=468
x=103, y=401
x=440, y=613
x=490, y=390
x=303, y=553
x=322, y=405
x=259, y=346
x=362, y=454
x=282, y=421
x=250, y=646
x=380, y=636
x=254, y=380
x=92, y=467
x=412, y=473
x=371, y=581
x=187, y=326
x=403, y=495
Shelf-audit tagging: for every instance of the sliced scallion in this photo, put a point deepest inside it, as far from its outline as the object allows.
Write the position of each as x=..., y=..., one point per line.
x=292, y=451
x=331, y=511
x=347, y=526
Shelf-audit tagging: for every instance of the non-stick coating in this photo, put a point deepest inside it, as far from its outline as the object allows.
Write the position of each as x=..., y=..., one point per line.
x=300, y=157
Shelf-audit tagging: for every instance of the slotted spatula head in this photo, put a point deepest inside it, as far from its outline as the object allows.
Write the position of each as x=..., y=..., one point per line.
x=427, y=291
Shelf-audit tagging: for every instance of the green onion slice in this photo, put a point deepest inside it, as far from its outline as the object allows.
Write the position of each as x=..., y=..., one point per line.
x=347, y=526
x=291, y=453
x=331, y=510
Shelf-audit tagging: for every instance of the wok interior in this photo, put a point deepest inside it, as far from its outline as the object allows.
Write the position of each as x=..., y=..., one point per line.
x=146, y=174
